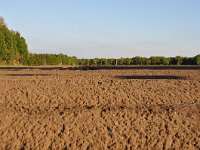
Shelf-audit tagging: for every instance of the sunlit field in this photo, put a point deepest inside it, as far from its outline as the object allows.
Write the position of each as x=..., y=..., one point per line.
x=99, y=108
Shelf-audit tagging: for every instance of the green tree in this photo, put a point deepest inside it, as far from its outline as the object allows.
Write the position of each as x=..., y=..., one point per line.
x=155, y=60
x=197, y=59
x=3, y=48
x=138, y=60
x=13, y=46
x=2, y=22
x=22, y=48
x=164, y=61
x=188, y=61
x=127, y=61
x=178, y=60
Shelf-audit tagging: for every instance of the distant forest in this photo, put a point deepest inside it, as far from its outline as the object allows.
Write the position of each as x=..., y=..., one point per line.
x=14, y=51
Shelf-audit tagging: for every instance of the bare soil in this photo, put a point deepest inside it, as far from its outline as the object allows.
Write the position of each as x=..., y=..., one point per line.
x=135, y=108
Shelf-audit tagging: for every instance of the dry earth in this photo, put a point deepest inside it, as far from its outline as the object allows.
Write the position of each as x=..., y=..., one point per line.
x=100, y=109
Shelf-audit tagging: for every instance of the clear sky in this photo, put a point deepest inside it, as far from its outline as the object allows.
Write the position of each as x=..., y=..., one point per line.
x=107, y=28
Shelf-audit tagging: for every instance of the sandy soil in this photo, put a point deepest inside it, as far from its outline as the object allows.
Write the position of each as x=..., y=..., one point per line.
x=99, y=109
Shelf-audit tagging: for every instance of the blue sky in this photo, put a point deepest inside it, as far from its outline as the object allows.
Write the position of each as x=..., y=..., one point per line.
x=107, y=28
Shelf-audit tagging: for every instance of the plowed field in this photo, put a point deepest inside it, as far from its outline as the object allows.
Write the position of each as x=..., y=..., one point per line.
x=99, y=109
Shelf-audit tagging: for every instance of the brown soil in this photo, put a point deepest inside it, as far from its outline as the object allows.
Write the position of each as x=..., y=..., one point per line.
x=99, y=109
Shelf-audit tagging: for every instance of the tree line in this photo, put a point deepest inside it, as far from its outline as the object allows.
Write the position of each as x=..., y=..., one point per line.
x=156, y=60
x=13, y=47
x=60, y=59
x=14, y=50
